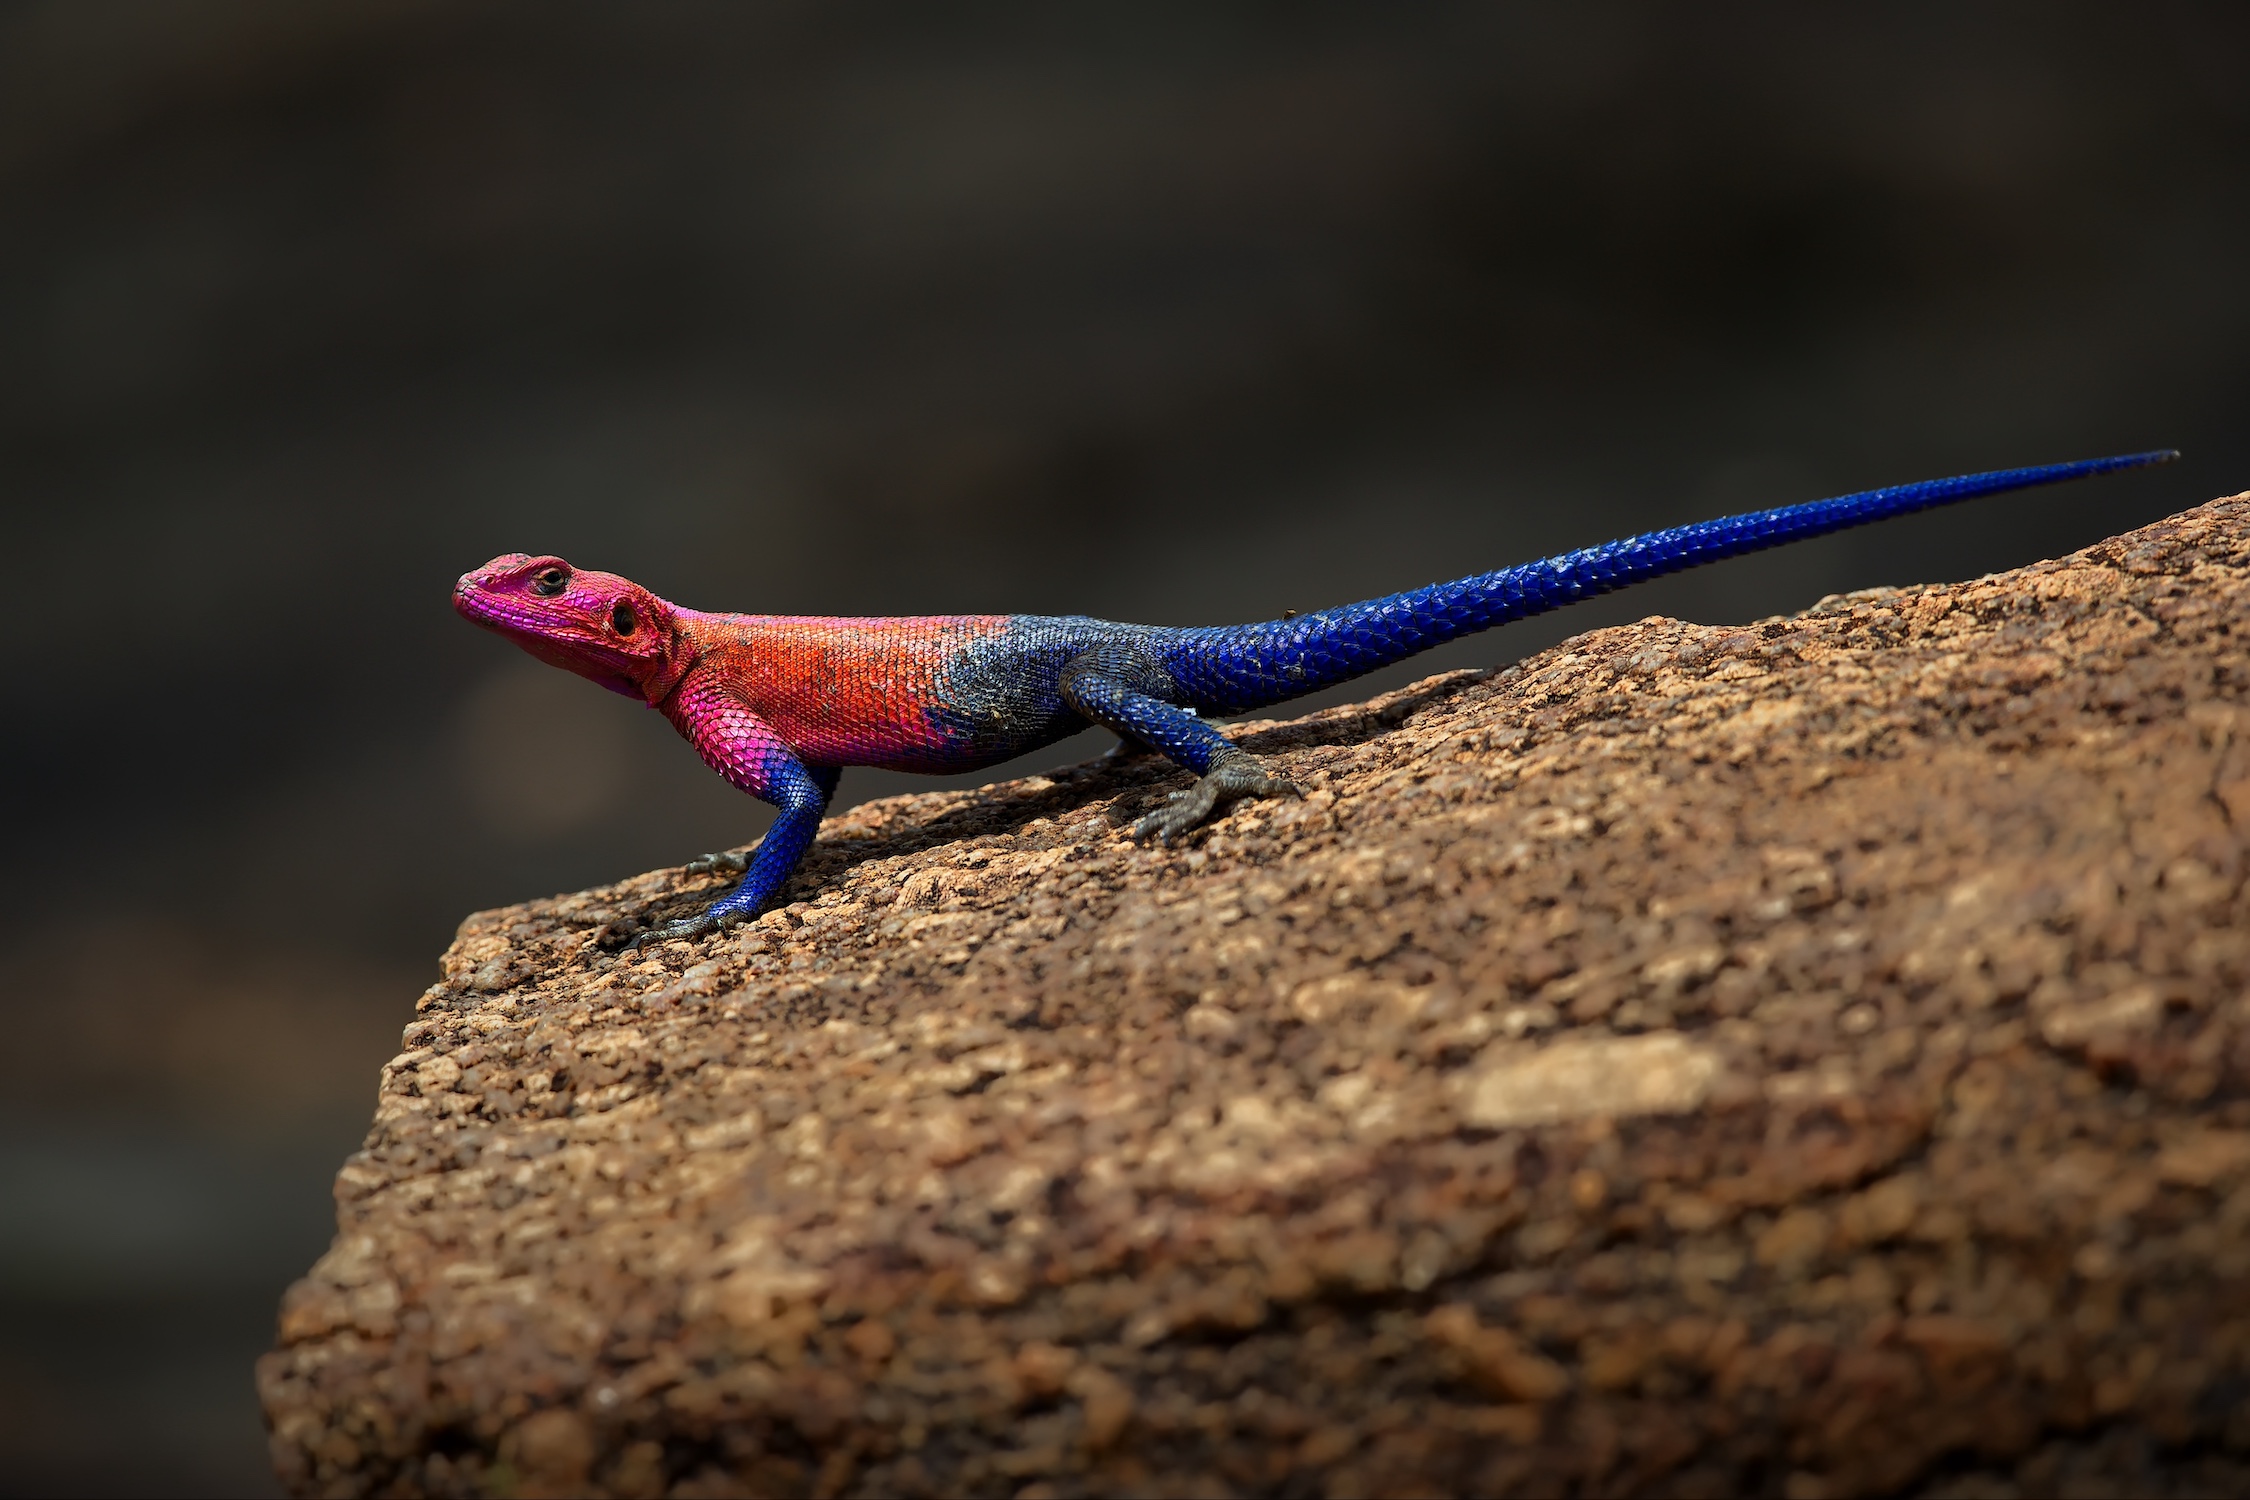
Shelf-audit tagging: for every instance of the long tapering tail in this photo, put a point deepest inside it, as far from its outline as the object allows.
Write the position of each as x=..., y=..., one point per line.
x=1230, y=669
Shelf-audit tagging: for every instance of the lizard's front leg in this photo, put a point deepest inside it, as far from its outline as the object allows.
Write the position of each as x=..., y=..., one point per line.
x=743, y=748
x=727, y=862
x=1111, y=688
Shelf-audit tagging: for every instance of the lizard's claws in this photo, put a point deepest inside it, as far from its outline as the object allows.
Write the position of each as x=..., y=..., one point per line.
x=1234, y=778
x=721, y=863
x=681, y=927
x=625, y=935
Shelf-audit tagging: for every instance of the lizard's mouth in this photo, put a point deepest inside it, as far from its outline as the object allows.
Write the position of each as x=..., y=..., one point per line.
x=479, y=606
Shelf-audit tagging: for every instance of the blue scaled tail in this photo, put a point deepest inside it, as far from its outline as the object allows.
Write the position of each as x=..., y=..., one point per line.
x=1230, y=669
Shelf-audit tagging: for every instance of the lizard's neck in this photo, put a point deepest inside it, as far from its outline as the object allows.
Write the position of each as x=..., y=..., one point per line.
x=664, y=678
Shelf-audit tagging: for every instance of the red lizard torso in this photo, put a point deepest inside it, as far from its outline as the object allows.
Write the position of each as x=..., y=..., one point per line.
x=838, y=690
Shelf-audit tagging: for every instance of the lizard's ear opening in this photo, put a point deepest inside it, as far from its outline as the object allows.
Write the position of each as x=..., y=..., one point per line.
x=622, y=619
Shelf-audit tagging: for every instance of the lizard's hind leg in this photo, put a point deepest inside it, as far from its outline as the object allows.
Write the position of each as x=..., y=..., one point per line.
x=1124, y=690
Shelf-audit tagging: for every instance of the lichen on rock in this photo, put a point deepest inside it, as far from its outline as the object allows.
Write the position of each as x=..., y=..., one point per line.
x=1808, y=1056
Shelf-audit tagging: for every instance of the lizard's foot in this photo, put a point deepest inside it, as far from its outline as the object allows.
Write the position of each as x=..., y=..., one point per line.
x=1235, y=777
x=625, y=935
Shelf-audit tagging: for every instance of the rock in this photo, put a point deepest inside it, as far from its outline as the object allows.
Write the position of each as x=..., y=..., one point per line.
x=1807, y=1057
x=1580, y=1078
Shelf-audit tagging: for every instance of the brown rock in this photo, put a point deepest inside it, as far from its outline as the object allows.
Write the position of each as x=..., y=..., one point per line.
x=1608, y=1077
x=1108, y=1404
x=1810, y=1055
x=1496, y=1359
x=2204, y=1156
x=553, y=1452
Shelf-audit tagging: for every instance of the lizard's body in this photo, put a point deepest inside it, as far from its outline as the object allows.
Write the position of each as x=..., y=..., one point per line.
x=779, y=704
x=933, y=693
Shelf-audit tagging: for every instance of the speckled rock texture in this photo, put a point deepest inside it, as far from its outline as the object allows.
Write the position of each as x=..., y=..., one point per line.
x=1802, y=1059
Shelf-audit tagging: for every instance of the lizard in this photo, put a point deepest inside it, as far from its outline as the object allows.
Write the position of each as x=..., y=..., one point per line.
x=778, y=705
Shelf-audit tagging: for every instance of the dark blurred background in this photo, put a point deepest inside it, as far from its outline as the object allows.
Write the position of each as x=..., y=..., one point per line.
x=1180, y=314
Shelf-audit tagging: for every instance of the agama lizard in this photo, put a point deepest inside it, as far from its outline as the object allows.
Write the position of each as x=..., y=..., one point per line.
x=779, y=704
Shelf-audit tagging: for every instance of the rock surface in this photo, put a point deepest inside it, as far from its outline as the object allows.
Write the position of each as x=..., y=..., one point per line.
x=1809, y=1058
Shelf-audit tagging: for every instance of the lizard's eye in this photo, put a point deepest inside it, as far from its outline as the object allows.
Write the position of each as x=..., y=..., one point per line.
x=550, y=582
x=622, y=619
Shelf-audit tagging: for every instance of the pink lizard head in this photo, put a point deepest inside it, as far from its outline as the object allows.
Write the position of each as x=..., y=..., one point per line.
x=603, y=627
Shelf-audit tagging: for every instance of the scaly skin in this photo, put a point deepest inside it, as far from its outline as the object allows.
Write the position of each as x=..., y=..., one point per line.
x=779, y=704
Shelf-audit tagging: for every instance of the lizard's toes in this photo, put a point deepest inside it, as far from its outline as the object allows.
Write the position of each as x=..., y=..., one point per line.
x=1225, y=783
x=1245, y=778
x=619, y=935
x=716, y=864
x=1180, y=812
x=685, y=927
